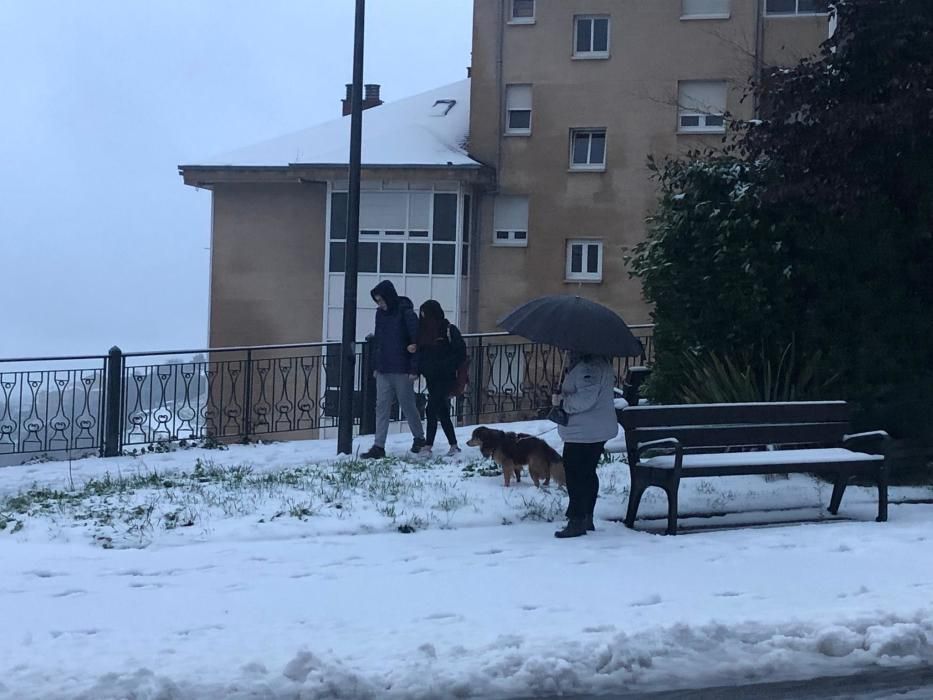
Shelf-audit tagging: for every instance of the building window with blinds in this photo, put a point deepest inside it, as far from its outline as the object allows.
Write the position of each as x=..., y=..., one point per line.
x=518, y=110
x=705, y=9
x=701, y=106
x=510, y=221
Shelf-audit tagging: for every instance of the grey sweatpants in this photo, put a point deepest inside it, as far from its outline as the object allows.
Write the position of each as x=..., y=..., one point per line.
x=400, y=388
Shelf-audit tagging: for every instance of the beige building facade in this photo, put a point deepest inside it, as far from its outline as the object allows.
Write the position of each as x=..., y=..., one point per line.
x=570, y=97
x=529, y=178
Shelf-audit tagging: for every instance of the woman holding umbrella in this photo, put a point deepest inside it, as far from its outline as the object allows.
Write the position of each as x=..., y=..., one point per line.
x=584, y=408
x=586, y=397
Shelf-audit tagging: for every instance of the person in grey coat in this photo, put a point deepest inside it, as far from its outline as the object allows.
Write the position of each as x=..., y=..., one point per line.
x=587, y=398
x=396, y=366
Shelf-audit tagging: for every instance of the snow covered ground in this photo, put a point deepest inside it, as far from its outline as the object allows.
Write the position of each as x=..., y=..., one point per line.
x=277, y=571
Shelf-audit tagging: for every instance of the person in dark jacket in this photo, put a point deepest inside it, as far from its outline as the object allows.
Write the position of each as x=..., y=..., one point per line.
x=441, y=351
x=396, y=366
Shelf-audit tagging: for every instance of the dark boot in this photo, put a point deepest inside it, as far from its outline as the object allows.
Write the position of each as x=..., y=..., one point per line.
x=588, y=523
x=374, y=452
x=574, y=528
x=418, y=445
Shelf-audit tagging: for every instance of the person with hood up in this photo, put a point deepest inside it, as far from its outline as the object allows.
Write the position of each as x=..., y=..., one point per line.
x=396, y=366
x=588, y=400
x=441, y=350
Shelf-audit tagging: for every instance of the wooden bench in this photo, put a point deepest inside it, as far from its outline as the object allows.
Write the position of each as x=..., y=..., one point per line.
x=704, y=440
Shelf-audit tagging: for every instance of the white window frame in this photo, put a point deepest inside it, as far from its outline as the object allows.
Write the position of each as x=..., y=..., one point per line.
x=796, y=13
x=592, y=54
x=515, y=94
x=588, y=166
x=522, y=20
x=685, y=15
x=702, y=127
x=583, y=276
x=514, y=237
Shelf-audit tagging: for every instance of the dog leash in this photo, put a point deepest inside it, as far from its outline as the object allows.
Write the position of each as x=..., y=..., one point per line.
x=543, y=432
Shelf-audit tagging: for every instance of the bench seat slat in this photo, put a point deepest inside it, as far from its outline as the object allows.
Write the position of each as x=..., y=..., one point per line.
x=735, y=413
x=768, y=458
x=745, y=434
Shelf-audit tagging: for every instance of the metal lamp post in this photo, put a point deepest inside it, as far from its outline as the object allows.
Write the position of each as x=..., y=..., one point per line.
x=348, y=344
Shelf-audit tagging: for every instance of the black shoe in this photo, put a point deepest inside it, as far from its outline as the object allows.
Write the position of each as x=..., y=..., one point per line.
x=575, y=527
x=588, y=523
x=417, y=445
x=374, y=452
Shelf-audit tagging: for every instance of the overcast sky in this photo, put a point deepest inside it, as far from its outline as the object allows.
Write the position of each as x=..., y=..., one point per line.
x=100, y=242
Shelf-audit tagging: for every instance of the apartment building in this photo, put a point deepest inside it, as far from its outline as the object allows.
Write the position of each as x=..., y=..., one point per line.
x=568, y=100
x=527, y=178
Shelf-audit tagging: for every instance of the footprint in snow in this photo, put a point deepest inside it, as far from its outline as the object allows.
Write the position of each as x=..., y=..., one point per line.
x=489, y=551
x=727, y=594
x=442, y=616
x=529, y=608
x=644, y=602
x=599, y=628
x=70, y=592
x=44, y=573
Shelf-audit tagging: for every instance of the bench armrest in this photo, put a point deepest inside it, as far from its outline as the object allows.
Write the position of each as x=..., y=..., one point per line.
x=879, y=434
x=875, y=440
x=663, y=442
x=670, y=442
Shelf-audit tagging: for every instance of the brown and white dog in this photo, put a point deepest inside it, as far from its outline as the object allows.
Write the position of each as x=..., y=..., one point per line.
x=512, y=451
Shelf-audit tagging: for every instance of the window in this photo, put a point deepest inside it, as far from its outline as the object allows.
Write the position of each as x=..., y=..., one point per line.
x=588, y=149
x=510, y=221
x=443, y=259
x=390, y=257
x=705, y=9
x=518, y=109
x=701, y=105
x=584, y=261
x=338, y=216
x=796, y=7
x=591, y=37
x=445, y=217
x=523, y=12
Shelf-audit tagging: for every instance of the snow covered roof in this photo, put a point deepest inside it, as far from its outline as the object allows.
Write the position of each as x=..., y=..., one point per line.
x=428, y=129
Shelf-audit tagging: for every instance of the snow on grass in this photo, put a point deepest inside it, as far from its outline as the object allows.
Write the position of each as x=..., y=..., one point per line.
x=280, y=571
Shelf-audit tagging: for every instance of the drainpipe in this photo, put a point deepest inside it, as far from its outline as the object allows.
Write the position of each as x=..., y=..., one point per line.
x=759, y=48
x=500, y=89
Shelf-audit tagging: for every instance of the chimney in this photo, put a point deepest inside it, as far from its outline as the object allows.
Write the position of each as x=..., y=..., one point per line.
x=370, y=98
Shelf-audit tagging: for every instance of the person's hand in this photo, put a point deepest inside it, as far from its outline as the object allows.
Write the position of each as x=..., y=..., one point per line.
x=412, y=348
x=555, y=399
x=413, y=377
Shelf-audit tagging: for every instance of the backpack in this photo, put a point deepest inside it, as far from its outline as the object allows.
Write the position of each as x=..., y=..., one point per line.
x=462, y=375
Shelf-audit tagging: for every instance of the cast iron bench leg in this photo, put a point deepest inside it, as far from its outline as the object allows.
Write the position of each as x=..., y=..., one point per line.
x=634, y=498
x=839, y=487
x=672, y=489
x=882, y=493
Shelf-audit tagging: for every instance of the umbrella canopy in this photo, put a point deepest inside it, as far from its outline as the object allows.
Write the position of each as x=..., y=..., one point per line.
x=573, y=323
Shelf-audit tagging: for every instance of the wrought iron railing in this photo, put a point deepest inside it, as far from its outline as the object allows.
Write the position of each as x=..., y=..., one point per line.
x=107, y=403
x=51, y=404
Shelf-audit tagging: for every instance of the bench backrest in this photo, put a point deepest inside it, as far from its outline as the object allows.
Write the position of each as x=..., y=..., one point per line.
x=702, y=427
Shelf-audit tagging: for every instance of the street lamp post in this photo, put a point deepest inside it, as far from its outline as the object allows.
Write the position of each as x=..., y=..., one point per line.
x=348, y=344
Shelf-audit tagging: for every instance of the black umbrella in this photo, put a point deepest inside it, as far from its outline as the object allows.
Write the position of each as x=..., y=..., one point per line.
x=573, y=323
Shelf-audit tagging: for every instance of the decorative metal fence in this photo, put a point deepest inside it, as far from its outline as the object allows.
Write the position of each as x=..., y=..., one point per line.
x=103, y=404
x=51, y=404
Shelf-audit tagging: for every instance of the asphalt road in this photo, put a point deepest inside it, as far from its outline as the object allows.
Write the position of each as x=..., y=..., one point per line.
x=878, y=684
